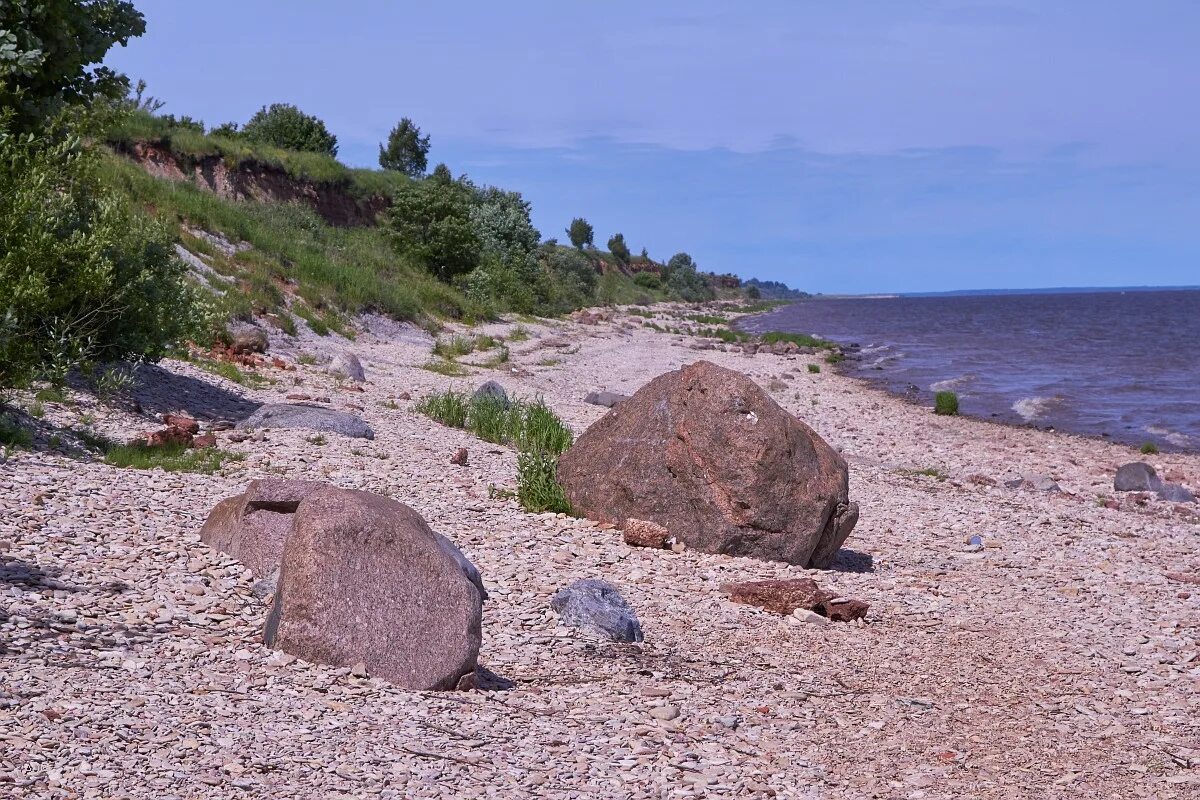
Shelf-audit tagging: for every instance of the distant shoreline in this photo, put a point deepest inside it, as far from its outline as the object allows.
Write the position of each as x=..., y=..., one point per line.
x=1003, y=292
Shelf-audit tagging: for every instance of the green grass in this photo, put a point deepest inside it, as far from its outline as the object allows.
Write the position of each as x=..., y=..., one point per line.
x=945, y=404
x=485, y=342
x=724, y=334
x=928, y=472
x=708, y=319
x=814, y=368
x=448, y=407
x=1149, y=449
x=37, y=409
x=500, y=358
x=450, y=369
x=14, y=434
x=341, y=270
x=51, y=394
x=799, y=339
x=538, y=489
x=454, y=347
x=170, y=458
x=228, y=371
x=834, y=358
x=638, y=312
x=520, y=334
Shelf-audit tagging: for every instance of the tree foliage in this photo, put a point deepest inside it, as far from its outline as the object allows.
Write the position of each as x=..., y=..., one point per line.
x=406, y=150
x=430, y=222
x=286, y=126
x=617, y=246
x=580, y=233
x=685, y=283
x=51, y=51
x=83, y=276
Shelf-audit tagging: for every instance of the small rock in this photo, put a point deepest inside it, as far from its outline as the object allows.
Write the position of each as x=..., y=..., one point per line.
x=207, y=440
x=459, y=457
x=181, y=421
x=643, y=533
x=346, y=365
x=665, y=713
x=597, y=608
x=728, y=722
x=810, y=617
x=606, y=399
x=492, y=390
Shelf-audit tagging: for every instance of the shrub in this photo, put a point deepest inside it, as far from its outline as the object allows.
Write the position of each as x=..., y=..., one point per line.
x=286, y=126
x=14, y=434
x=648, y=280
x=537, y=484
x=453, y=347
x=814, y=368
x=945, y=404
x=1149, y=449
x=406, y=151
x=83, y=276
x=430, y=222
x=540, y=429
x=580, y=232
x=617, y=246
x=448, y=408
x=800, y=339
x=685, y=283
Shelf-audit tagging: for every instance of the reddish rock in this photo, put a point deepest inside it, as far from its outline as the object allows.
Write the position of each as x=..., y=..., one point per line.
x=1183, y=577
x=181, y=421
x=352, y=387
x=207, y=440
x=167, y=436
x=299, y=396
x=643, y=533
x=707, y=454
x=459, y=457
x=365, y=580
x=780, y=596
x=786, y=595
x=278, y=363
x=253, y=526
x=404, y=396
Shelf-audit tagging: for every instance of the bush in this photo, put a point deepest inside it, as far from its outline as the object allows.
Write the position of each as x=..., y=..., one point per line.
x=84, y=278
x=406, y=151
x=286, y=126
x=648, y=280
x=430, y=222
x=1149, y=449
x=617, y=246
x=800, y=339
x=814, y=368
x=945, y=404
x=685, y=283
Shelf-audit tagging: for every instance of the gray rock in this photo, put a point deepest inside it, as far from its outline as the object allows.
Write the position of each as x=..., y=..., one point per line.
x=1038, y=483
x=346, y=365
x=1137, y=476
x=247, y=338
x=265, y=587
x=606, y=399
x=1174, y=493
x=597, y=608
x=491, y=390
x=313, y=418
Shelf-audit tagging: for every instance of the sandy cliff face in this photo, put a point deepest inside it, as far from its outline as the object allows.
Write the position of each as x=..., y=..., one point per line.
x=263, y=182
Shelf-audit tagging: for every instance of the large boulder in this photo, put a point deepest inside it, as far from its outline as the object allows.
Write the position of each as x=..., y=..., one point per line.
x=253, y=526
x=707, y=454
x=1136, y=476
x=365, y=580
x=346, y=365
x=313, y=418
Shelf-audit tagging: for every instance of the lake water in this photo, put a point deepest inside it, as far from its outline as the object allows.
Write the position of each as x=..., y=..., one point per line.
x=1124, y=365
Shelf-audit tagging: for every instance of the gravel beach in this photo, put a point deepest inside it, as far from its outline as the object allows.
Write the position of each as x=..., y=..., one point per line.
x=1056, y=655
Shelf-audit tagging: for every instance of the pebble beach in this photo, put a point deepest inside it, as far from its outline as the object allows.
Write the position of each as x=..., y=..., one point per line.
x=1019, y=642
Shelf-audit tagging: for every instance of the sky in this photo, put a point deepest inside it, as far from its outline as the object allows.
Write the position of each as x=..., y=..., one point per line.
x=840, y=147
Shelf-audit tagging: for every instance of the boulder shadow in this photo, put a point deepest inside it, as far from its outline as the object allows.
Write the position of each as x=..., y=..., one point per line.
x=848, y=560
x=31, y=577
x=158, y=391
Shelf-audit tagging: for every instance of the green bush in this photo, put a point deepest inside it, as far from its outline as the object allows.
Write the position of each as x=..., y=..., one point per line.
x=945, y=404
x=580, y=233
x=648, y=280
x=14, y=434
x=83, y=277
x=430, y=223
x=814, y=368
x=449, y=408
x=685, y=283
x=1149, y=449
x=800, y=339
x=286, y=126
x=617, y=246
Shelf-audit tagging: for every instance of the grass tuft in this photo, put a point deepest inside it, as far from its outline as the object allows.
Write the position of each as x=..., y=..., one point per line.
x=814, y=368
x=799, y=339
x=538, y=489
x=1149, y=449
x=448, y=368
x=945, y=404
x=169, y=457
x=14, y=434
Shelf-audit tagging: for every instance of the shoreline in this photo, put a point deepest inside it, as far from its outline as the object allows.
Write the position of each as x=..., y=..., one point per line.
x=124, y=626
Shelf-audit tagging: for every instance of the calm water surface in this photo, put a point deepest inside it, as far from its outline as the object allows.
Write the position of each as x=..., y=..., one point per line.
x=1120, y=364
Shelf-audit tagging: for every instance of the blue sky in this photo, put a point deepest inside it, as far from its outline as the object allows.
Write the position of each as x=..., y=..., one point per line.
x=838, y=146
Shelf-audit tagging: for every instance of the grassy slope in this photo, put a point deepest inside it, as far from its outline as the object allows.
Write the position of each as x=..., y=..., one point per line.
x=333, y=271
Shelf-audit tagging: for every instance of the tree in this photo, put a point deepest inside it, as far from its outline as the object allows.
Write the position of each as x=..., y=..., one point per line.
x=580, y=233
x=617, y=246
x=406, y=151
x=685, y=283
x=285, y=126
x=83, y=276
x=430, y=222
x=50, y=52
